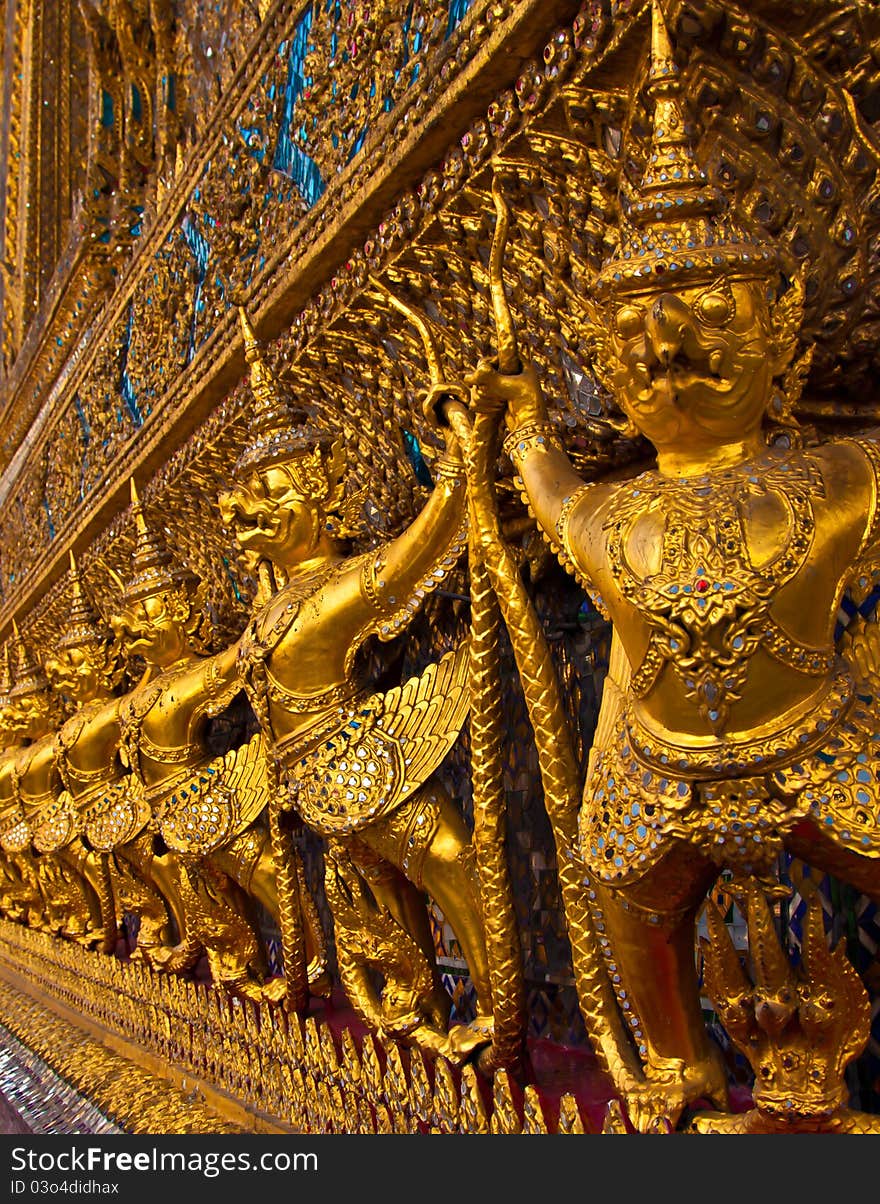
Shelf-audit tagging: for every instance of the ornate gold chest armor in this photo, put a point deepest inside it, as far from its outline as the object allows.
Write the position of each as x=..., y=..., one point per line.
x=708, y=611
x=708, y=606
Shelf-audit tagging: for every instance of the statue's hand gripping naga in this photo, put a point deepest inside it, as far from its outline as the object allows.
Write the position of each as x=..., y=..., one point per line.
x=731, y=728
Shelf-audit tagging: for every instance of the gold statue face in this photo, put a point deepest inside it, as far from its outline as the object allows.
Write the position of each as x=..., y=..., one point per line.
x=79, y=672
x=154, y=627
x=271, y=519
x=28, y=716
x=696, y=364
x=7, y=728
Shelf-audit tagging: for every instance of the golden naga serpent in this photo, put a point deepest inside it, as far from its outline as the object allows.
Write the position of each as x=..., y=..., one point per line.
x=487, y=736
x=558, y=766
x=497, y=590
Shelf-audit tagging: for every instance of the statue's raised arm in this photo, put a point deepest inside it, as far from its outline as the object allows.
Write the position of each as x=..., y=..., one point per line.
x=549, y=482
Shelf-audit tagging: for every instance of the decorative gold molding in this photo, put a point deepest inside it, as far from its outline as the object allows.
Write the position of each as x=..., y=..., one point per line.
x=68, y=1004
x=137, y=1100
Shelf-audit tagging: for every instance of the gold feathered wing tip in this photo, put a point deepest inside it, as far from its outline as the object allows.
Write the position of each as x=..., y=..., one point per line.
x=425, y=714
x=245, y=775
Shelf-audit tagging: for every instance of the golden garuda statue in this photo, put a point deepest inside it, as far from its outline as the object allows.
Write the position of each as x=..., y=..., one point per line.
x=731, y=728
x=205, y=807
x=83, y=671
x=29, y=712
x=55, y=882
x=355, y=764
x=150, y=769
x=127, y=795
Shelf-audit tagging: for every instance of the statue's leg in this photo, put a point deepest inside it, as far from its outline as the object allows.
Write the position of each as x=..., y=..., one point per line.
x=370, y=939
x=650, y=927
x=85, y=922
x=94, y=868
x=41, y=904
x=218, y=913
x=35, y=904
x=429, y=842
x=808, y=842
x=248, y=860
x=8, y=889
x=54, y=914
x=28, y=900
x=372, y=851
x=163, y=880
x=164, y=904
x=214, y=913
x=449, y=874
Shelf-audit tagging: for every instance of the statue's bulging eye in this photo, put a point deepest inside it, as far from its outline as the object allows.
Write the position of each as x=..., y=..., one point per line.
x=629, y=322
x=714, y=309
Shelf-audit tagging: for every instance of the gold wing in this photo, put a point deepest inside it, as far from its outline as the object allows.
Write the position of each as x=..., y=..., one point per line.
x=424, y=715
x=245, y=775
x=614, y=693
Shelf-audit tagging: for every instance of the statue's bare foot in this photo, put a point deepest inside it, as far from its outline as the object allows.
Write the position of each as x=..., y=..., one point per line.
x=161, y=957
x=244, y=987
x=320, y=982
x=171, y=959
x=670, y=1086
x=157, y=956
x=275, y=990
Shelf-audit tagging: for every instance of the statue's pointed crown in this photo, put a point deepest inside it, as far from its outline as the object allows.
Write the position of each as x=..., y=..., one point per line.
x=675, y=228
x=153, y=569
x=279, y=428
x=28, y=675
x=84, y=627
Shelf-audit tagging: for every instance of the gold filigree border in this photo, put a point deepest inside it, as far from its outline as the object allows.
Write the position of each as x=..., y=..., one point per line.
x=161, y=1054
x=135, y=1099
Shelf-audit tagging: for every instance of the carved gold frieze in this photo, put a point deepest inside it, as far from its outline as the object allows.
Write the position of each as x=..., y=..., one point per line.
x=148, y=359
x=297, y=1074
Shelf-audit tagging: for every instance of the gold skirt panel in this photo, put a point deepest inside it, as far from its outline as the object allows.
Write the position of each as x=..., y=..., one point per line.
x=633, y=813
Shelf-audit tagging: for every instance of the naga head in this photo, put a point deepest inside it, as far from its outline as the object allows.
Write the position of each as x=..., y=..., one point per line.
x=370, y=943
x=693, y=332
x=84, y=664
x=799, y=1028
x=286, y=504
x=160, y=613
